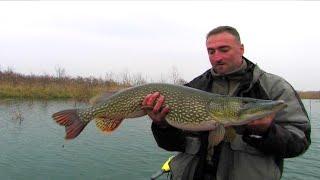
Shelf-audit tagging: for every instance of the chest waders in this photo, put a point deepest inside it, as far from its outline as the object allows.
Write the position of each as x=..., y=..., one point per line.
x=183, y=165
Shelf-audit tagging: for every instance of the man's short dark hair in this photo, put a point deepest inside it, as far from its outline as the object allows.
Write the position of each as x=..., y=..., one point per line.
x=228, y=29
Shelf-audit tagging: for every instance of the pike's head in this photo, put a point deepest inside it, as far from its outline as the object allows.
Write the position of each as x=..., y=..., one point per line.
x=256, y=109
x=241, y=111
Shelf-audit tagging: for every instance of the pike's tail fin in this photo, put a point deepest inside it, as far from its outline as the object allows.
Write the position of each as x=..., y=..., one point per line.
x=71, y=121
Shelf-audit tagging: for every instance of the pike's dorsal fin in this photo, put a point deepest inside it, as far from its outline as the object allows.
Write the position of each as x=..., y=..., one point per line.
x=137, y=113
x=101, y=98
x=108, y=125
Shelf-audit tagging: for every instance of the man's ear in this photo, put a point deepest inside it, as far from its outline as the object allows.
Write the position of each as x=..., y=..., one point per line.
x=242, y=49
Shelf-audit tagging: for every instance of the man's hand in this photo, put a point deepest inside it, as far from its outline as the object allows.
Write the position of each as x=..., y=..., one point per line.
x=260, y=126
x=153, y=106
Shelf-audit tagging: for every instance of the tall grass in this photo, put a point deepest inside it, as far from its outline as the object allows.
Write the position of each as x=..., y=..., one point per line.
x=15, y=85
x=61, y=86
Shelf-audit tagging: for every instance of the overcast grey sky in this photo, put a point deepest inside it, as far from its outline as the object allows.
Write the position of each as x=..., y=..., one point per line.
x=94, y=38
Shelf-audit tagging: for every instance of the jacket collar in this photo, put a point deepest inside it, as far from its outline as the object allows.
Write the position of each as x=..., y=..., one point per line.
x=234, y=75
x=248, y=74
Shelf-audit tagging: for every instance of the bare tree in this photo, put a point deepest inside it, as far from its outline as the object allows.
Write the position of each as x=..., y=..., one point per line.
x=175, y=76
x=109, y=76
x=163, y=79
x=10, y=70
x=125, y=78
x=181, y=81
x=60, y=71
x=137, y=79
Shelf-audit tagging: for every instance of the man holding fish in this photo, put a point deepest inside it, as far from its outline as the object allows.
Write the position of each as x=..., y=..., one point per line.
x=252, y=151
x=234, y=121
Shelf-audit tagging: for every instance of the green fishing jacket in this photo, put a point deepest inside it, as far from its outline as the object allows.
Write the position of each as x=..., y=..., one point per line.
x=246, y=157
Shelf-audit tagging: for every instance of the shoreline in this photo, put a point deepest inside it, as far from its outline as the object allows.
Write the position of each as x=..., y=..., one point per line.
x=45, y=87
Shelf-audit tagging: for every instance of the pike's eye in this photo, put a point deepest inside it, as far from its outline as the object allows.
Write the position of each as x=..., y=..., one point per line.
x=246, y=104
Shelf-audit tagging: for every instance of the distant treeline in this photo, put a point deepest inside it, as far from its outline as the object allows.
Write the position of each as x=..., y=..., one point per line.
x=309, y=94
x=61, y=86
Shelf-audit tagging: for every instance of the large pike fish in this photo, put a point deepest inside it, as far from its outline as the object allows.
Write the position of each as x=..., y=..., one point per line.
x=190, y=109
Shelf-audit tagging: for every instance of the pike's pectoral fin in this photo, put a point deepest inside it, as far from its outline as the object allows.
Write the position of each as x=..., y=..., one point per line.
x=214, y=138
x=230, y=134
x=108, y=125
x=217, y=135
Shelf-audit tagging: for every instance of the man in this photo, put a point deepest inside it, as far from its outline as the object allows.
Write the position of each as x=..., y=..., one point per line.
x=258, y=149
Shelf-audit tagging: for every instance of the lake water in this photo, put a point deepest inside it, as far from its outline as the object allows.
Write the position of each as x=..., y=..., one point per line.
x=34, y=147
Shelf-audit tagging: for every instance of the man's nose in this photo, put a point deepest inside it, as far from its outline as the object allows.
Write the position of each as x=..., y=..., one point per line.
x=217, y=57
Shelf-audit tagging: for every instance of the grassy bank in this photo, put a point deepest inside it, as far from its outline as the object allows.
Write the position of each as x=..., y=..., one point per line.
x=15, y=85
x=309, y=94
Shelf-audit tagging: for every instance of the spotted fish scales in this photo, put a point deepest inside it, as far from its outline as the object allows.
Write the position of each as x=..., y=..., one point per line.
x=190, y=109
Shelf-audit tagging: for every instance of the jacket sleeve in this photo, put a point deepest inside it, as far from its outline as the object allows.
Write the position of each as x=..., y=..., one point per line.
x=289, y=135
x=169, y=138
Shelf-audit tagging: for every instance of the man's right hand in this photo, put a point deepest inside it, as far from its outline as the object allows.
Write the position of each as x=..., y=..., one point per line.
x=153, y=106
